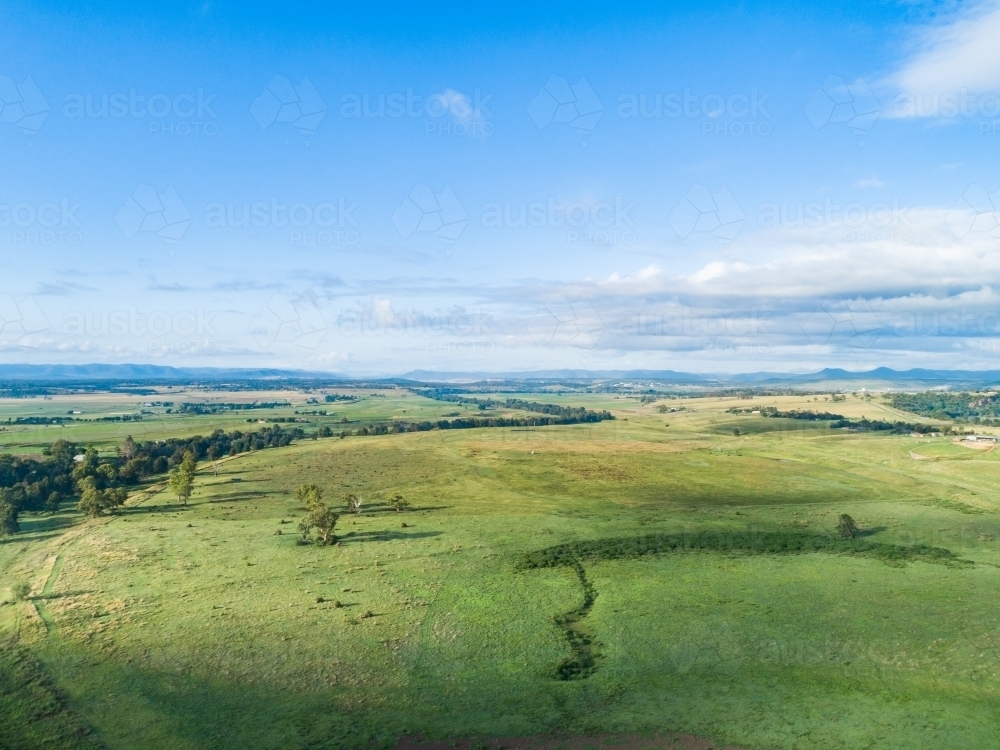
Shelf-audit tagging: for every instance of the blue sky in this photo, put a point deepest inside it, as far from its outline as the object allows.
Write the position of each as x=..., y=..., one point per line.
x=368, y=192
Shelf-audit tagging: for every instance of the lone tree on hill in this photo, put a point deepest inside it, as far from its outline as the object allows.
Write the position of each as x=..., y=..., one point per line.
x=318, y=516
x=846, y=527
x=182, y=478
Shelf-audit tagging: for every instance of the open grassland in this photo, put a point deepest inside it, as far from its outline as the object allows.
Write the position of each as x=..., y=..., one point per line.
x=202, y=627
x=97, y=418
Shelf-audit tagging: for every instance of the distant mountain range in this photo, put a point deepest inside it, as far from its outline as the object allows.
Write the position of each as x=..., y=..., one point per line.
x=132, y=372
x=662, y=376
x=671, y=377
x=158, y=373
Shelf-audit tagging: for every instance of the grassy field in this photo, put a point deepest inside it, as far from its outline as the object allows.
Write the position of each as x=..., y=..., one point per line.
x=92, y=415
x=203, y=627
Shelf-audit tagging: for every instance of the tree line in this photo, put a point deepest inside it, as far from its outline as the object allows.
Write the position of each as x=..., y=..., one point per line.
x=101, y=482
x=572, y=414
x=961, y=407
x=839, y=421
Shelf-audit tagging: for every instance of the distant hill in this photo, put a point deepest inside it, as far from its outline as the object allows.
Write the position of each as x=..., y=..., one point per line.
x=661, y=376
x=915, y=374
x=134, y=372
x=671, y=377
x=159, y=373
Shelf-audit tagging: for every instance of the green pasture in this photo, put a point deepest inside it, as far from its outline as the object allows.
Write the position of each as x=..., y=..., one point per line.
x=203, y=627
x=157, y=423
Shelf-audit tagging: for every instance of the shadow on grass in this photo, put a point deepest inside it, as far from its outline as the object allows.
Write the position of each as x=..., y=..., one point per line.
x=145, y=510
x=234, y=496
x=870, y=532
x=23, y=536
x=36, y=528
x=61, y=595
x=385, y=536
x=383, y=508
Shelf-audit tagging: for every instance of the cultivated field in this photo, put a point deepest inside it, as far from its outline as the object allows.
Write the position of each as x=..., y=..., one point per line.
x=685, y=594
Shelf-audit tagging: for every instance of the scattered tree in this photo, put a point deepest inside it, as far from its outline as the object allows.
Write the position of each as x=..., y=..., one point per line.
x=128, y=449
x=189, y=463
x=52, y=502
x=354, y=502
x=182, y=478
x=213, y=455
x=399, y=503
x=10, y=507
x=308, y=494
x=846, y=527
x=108, y=472
x=96, y=502
x=318, y=516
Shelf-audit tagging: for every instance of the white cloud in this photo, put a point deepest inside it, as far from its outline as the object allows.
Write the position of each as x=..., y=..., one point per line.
x=961, y=56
